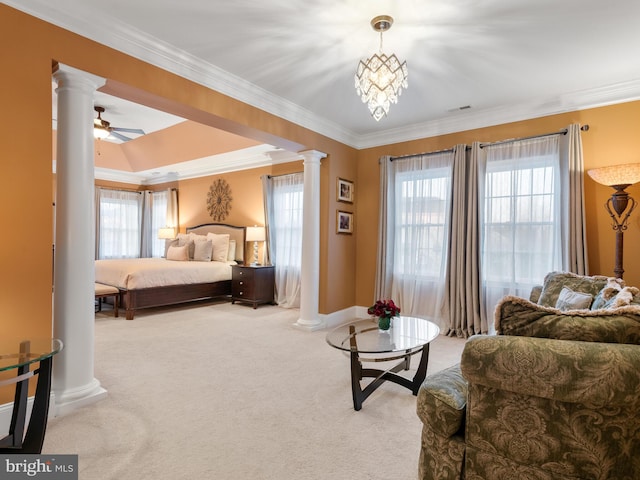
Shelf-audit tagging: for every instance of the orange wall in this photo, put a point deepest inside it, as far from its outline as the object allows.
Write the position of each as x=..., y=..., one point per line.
x=611, y=140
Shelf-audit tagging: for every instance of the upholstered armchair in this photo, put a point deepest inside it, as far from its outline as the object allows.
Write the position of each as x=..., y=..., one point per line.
x=555, y=395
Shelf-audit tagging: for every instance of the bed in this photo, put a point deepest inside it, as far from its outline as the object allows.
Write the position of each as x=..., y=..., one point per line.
x=154, y=282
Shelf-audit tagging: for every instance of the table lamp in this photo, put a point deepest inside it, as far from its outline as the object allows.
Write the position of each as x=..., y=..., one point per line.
x=255, y=234
x=621, y=204
x=166, y=233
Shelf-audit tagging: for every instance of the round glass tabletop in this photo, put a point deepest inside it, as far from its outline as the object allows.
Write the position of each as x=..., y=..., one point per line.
x=406, y=333
x=17, y=353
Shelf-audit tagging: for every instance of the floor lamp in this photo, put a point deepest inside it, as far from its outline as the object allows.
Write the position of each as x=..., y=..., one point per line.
x=621, y=204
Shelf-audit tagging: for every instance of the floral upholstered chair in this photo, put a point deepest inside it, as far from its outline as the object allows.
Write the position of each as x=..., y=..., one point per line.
x=554, y=396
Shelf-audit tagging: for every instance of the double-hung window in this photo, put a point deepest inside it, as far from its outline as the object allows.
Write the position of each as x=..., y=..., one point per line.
x=521, y=216
x=420, y=216
x=119, y=224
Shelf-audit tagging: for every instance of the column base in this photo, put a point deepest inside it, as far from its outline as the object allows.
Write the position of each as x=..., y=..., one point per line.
x=309, y=325
x=71, y=400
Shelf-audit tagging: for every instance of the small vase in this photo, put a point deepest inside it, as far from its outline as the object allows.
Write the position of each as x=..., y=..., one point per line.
x=384, y=323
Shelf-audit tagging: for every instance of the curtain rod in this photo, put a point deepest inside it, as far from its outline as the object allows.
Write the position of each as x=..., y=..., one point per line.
x=584, y=128
x=419, y=154
x=284, y=175
x=564, y=131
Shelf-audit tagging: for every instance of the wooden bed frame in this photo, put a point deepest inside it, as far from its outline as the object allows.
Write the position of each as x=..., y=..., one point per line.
x=137, y=299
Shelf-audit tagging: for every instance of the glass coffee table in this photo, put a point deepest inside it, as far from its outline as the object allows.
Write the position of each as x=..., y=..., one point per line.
x=366, y=343
x=18, y=356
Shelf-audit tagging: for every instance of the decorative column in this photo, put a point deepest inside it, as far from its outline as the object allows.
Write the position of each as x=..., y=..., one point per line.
x=310, y=282
x=73, y=383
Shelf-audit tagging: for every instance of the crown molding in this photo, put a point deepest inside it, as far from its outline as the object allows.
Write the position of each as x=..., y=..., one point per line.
x=245, y=159
x=118, y=35
x=471, y=119
x=124, y=38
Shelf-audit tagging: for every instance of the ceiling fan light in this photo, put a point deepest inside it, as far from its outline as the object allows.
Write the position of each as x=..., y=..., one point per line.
x=100, y=132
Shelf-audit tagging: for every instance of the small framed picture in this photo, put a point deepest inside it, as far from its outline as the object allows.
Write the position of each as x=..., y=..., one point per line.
x=344, y=190
x=344, y=222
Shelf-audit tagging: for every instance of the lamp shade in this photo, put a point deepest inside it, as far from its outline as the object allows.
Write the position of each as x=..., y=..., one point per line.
x=100, y=132
x=626, y=174
x=166, y=233
x=255, y=234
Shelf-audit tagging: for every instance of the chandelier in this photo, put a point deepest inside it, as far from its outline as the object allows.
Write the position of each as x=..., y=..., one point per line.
x=379, y=80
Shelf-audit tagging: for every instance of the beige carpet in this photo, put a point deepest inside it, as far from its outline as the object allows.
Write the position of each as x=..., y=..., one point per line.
x=221, y=391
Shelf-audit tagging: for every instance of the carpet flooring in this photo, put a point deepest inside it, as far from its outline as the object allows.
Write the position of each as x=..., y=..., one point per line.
x=225, y=392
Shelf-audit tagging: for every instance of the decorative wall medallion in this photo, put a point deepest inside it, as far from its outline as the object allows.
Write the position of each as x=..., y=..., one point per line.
x=219, y=200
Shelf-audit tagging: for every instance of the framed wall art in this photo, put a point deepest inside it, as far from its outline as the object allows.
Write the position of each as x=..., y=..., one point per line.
x=344, y=222
x=344, y=190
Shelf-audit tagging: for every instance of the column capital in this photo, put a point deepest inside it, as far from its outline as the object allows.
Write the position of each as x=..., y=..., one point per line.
x=64, y=73
x=313, y=155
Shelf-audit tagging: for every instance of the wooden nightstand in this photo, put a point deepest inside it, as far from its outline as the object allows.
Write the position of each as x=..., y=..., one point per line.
x=253, y=284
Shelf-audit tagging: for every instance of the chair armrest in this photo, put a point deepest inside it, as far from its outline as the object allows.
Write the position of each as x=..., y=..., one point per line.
x=442, y=400
x=589, y=373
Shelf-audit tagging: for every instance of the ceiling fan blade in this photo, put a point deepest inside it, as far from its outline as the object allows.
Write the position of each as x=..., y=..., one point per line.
x=118, y=136
x=129, y=130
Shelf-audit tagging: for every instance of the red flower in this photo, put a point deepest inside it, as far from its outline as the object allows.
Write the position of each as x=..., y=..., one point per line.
x=384, y=308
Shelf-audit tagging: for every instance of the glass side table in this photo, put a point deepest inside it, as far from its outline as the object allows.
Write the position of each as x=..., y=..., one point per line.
x=19, y=356
x=366, y=343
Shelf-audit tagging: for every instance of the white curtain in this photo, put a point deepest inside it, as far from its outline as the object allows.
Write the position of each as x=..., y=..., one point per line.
x=417, y=225
x=284, y=217
x=521, y=216
x=119, y=223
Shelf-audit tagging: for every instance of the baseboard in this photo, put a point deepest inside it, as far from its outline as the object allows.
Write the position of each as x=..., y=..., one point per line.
x=350, y=314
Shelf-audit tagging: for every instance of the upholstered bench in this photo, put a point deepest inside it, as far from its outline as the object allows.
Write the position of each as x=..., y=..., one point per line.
x=105, y=291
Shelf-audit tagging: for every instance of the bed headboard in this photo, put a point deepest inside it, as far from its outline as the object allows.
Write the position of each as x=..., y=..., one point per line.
x=235, y=233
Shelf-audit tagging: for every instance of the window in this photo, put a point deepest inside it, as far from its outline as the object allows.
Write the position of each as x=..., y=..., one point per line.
x=119, y=227
x=285, y=195
x=520, y=202
x=159, y=202
x=421, y=219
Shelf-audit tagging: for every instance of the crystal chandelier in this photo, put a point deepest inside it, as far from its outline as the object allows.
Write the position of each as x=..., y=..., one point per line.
x=379, y=81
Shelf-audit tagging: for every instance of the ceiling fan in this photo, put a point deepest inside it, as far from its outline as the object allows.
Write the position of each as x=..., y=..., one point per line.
x=103, y=129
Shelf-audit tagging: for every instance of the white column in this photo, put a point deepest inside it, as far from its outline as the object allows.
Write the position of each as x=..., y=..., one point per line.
x=73, y=382
x=310, y=282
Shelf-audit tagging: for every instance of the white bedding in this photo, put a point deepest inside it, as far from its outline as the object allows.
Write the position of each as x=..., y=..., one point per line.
x=135, y=273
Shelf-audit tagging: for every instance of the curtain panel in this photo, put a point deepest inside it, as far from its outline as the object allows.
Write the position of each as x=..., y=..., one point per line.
x=283, y=201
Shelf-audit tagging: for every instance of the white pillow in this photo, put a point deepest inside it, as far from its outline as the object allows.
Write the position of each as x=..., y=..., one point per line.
x=168, y=243
x=570, y=300
x=187, y=239
x=179, y=253
x=202, y=251
x=220, y=246
x=231, y=256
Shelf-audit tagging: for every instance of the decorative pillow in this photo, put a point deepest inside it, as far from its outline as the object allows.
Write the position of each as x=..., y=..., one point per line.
x=202, y=251
x=231, y=255
x=570, y=300
x=220, y=246
x=179, y=253
x=168, y=243
x=187, y=239
x=555, y=281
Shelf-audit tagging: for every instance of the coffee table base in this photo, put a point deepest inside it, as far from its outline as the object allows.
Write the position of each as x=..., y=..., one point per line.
x=380, y=376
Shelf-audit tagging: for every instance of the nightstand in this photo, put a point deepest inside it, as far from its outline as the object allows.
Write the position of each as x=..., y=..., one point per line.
x=252, y=283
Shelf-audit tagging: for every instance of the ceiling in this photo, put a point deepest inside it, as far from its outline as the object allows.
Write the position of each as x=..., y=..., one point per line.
x=505, y=60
